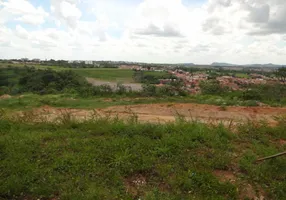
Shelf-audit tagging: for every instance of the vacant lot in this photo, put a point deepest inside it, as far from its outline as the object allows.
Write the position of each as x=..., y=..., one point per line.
x=110, y=159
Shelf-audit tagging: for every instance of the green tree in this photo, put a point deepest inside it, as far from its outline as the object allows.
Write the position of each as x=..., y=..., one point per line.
x=281, y=74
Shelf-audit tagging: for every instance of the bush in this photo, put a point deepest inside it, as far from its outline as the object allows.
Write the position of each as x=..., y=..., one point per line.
x=149, y=90
x=269, y=93
x=251, y=95
x=165, y=91
x=48, y=81
x=251, y=103
x=212, y=87
x=4, y=90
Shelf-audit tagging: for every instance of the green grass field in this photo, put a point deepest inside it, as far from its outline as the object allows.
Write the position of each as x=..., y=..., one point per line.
x=30, y=101
x=106, y=74
x=242, y=75
x=103, y=159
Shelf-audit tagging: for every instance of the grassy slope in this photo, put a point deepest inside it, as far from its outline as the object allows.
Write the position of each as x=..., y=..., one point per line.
x=29, y=101
x=101, y=160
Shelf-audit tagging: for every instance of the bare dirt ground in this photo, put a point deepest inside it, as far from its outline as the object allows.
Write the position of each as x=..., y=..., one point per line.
x=5, y=96
x=169, y=112
x=205, y=113
x=113, y=85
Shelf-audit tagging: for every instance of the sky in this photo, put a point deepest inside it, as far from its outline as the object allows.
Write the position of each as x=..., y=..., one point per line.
x=155, y=31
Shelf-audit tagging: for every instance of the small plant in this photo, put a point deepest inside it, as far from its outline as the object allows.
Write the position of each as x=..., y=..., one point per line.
x=133, y=117
x=20, y=101
x=251, y=103
x=2, y=113
x=65, y=118
x=46, y=102
x=223, y=108
x=180, y=118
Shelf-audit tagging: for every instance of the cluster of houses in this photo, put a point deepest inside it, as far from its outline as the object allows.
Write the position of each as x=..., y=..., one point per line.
x=236, y=83
x=192, y=81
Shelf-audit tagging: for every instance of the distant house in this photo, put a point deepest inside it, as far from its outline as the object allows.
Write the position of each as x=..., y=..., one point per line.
x=88, y=62
x=136, y=67
x=126, y=67
x=24, y=59
x=36, y=60
x=95, y=64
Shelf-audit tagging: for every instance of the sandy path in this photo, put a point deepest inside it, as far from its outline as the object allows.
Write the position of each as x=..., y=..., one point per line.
x=169, y=112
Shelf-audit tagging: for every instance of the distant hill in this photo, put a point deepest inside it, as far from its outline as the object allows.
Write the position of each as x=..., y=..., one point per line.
x=222, y=64
x=264, y=65
x=247, y=65
x=186, y=64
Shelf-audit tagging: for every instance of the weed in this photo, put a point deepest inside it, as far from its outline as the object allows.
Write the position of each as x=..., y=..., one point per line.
x=2, y=113
x=223, y=108
x=180, y=118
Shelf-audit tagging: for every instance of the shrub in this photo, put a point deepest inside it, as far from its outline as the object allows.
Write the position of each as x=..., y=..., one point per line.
x=251, y=94
x=212, y=87
x=149, y=90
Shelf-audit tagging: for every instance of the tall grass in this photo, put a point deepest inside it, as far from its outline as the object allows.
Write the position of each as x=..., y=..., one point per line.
x=104, y=157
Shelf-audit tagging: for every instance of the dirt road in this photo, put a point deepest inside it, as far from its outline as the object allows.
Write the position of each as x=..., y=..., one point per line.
x=169, y=112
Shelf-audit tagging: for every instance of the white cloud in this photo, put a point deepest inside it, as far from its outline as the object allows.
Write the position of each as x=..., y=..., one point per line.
x=30, y=19
x=161, y=18
x=66, y=12
x=238, y=31
x=23, y=11
x=97, y=28
x=254, y=17
x=21, y=32
x=166, y=31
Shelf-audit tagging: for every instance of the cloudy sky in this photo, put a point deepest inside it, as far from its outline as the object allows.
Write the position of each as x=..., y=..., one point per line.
x=174, y=31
